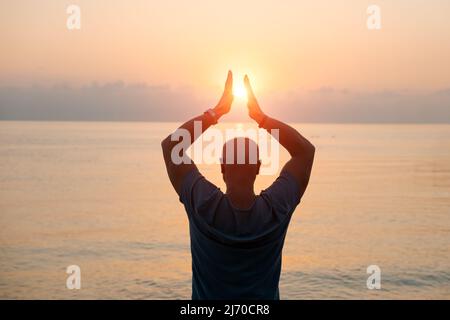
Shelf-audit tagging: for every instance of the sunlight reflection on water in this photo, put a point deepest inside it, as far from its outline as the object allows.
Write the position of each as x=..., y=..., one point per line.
x=97, y=195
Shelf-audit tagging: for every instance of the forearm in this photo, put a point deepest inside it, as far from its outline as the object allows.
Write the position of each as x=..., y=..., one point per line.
x=289, y=138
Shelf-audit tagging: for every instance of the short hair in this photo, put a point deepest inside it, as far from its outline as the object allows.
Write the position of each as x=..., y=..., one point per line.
x=240, y=151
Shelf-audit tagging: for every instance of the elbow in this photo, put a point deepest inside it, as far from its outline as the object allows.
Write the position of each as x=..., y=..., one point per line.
x=165, y=143
x=311, y=150
x=304, y=149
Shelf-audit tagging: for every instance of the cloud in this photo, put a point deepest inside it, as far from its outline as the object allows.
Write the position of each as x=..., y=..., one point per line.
x=111, y=101
x=332, y=105
x=117, y=101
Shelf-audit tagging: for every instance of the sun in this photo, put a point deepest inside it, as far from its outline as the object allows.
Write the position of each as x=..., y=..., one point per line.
x=239, y=91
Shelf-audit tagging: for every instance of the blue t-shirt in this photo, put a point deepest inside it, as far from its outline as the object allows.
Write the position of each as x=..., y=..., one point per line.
x=236, y=254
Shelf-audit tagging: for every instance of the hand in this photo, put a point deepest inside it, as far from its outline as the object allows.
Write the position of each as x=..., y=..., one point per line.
x=254, y=111
x=225, y=102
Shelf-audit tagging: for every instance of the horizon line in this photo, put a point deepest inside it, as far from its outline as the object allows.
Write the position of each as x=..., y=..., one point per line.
x=228, y=121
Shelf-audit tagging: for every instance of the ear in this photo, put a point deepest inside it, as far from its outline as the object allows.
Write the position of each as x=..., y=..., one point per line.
x=258, y=165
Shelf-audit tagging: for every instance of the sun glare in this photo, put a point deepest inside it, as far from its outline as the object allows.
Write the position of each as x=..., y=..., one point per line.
x=239, y=91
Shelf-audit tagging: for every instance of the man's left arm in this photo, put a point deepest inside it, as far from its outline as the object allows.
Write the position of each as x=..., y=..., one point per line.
x=178, y=163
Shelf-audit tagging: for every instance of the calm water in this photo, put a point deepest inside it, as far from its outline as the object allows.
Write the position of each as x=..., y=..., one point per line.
x=96, y=195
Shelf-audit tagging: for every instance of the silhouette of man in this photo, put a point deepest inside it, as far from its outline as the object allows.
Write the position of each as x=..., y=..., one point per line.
x=237, y=237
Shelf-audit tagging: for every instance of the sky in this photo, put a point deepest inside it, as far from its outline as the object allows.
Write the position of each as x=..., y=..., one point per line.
x=312, y=61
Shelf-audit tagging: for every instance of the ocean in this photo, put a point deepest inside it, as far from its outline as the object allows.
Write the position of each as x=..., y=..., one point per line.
x=96, y=195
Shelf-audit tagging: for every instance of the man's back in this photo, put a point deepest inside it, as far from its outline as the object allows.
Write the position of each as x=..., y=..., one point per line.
x=236, y=253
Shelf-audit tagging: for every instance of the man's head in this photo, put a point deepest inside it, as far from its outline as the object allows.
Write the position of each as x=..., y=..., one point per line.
x=240, y=161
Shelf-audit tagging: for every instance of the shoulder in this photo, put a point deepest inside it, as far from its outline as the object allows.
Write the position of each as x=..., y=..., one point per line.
x=196, y=190
x=284, y=182
x=283, y=195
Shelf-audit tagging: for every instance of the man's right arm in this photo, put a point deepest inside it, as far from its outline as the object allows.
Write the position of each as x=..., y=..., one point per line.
x=300, y=149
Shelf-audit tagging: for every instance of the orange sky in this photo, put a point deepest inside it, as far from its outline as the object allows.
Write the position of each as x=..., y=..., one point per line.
x=283, y=45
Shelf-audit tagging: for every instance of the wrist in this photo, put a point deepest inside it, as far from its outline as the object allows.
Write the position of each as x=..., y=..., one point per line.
x=218, y=111
x=212, y=115
x=261, y=118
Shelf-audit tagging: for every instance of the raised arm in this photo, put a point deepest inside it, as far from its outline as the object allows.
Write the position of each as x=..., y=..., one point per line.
x=300, y=149
x=178, y=163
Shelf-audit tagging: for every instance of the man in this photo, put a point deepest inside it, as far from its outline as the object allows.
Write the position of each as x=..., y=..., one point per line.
x=237, y=237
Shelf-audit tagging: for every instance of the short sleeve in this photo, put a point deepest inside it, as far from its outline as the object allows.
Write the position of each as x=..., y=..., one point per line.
x=284, y=193
x=196, y=191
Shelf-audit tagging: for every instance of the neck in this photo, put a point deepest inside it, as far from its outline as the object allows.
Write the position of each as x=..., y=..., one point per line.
x=241, y=196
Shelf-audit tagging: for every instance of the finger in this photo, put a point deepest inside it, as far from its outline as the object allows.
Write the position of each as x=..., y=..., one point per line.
x=229, y=82
x=248, y=87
